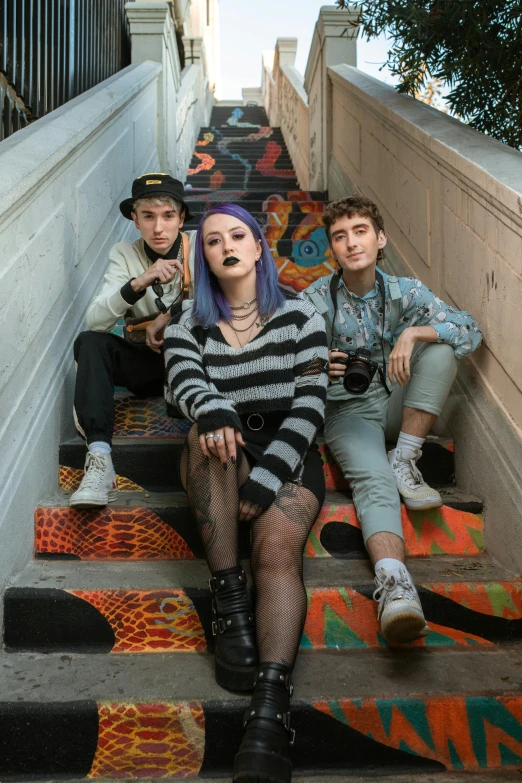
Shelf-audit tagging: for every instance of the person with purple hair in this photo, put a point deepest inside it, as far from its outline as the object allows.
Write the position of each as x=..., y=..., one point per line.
x=247, y=364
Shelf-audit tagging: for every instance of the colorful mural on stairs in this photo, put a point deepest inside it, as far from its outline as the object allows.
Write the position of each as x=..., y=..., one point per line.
x=459, y=614
x=142, y=533
x=186, y=739
x=474, y=732
x=149, y=741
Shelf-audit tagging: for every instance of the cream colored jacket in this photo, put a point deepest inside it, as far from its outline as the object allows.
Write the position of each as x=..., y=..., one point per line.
x=127, y=260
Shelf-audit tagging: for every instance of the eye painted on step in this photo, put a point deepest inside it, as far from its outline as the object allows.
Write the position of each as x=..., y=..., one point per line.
x=307, y=248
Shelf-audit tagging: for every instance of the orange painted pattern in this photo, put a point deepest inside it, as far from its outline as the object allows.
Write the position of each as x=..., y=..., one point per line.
x=70, y=479
x=438, y=531
x=114, y=533
x=207, y=163
x=337, y=617
x=148, y=621
x=342, y=618
x=299, y=277
x=462, y=732
x=149, y=741
x=266, y=164
x=217, y=179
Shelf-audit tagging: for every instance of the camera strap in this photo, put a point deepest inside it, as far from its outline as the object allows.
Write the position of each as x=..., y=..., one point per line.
x=334, y=285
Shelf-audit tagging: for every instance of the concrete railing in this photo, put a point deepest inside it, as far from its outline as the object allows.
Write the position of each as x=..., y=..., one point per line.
x=299, y=104
x=452, y=204
x=293, y=114
x=62, y=181
x=185, y=96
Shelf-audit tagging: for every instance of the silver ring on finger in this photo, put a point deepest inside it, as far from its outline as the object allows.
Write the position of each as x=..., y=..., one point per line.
x=217, y=437
x=209, y=435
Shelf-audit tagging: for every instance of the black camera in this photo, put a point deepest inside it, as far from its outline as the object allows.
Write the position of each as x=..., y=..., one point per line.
x=359, y=370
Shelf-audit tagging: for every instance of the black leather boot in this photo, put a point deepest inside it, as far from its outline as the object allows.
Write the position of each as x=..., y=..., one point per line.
x=233, y=627
x=264, y=753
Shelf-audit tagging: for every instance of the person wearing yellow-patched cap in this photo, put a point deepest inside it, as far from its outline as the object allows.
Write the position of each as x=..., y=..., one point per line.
x=148, y=280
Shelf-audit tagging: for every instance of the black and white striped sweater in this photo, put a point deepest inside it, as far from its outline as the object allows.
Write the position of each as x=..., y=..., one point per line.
x=284, y=368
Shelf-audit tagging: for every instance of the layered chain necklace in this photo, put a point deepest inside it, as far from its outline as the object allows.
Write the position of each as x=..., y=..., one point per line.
x=255, y=322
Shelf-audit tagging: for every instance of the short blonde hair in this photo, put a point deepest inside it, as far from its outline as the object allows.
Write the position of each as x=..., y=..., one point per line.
x=159, y=201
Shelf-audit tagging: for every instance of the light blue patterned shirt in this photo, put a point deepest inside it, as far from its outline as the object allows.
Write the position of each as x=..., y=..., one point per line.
x=358, y=320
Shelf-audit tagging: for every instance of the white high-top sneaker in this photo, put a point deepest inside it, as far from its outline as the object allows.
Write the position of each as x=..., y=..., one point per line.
x=415, y=493
x=99, y=485
x=400, y=612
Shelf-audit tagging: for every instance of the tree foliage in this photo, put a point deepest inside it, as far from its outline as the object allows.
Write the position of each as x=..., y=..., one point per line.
x=472, y=46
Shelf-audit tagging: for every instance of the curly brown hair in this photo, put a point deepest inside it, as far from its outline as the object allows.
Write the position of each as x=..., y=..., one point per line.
x=349, y=207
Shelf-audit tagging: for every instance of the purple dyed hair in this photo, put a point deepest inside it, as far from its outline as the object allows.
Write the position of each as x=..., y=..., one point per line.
x=210, y=304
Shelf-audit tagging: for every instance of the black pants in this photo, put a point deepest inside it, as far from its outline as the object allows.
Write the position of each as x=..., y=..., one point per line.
x=105, y=360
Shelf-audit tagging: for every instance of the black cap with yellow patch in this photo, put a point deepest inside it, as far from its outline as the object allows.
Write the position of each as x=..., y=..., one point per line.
x=154, y=185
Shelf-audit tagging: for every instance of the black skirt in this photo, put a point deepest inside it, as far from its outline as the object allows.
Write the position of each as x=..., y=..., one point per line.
x=260, y=429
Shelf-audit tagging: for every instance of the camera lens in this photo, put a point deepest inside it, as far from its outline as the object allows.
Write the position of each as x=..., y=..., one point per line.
x=357, y=378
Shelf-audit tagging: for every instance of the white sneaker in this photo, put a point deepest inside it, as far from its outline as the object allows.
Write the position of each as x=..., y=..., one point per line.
x=99, y=485
x=400, y=612
x=415, y=492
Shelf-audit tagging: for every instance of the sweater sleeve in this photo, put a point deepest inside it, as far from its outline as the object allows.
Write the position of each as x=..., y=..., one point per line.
x=422, y=307
x=282, y=459
x=109, y=305
x=197, y=400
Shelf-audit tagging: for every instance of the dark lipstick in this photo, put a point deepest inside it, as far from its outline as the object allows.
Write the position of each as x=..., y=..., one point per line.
x=230, y=261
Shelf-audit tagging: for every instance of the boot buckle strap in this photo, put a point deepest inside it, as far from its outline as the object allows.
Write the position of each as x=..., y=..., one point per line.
x=284, y=718
x=217, y=583
x=269, y=675
x=218, y=626
x=232, y=623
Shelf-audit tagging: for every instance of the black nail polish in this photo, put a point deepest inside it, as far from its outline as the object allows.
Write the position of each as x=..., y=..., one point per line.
x=233, y=460
x=225, y=466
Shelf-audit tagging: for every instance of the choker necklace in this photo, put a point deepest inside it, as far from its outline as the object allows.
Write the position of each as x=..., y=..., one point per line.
x=242, y=317
x=244, y=306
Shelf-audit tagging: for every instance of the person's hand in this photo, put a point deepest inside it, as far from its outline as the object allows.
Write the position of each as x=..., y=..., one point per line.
x=164, y=270
x=221, y=443
x=154, y=332
x=336, y=371
x=399, y=358
x=248, y=510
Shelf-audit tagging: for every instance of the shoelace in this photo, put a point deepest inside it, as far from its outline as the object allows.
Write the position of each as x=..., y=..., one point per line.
x=407, y=470
x=94, y=472
x=391, y=584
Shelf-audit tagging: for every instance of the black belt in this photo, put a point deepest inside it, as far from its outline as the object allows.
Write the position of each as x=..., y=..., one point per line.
x=262, y=421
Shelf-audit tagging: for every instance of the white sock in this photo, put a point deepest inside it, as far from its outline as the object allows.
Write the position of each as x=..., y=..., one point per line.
x=99, y=446
x=409, y=443
x=392, y=567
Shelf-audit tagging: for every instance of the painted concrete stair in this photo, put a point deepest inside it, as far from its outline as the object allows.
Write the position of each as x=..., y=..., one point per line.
x=160, y=527
x=160, y=607
x=135, y=715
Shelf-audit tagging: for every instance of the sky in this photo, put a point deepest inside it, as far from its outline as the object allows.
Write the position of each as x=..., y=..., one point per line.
x=248, y=27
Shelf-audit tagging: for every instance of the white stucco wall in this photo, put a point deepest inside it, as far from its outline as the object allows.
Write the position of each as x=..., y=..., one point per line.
x=451, y=199
x=62, y=181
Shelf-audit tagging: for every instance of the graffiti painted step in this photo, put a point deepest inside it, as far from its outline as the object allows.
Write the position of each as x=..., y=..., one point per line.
x=274, y=200
x=255, y=180
x=161, y=527
x=179, y=619
x=147, y=447
x=493, y=776
x=141, y=717
x=234, y=180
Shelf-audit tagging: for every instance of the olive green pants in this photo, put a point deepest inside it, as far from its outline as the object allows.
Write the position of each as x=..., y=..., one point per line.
x=356, y=430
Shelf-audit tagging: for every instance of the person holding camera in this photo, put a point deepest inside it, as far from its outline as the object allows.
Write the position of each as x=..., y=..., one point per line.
x=147, y=278
x=393, y=351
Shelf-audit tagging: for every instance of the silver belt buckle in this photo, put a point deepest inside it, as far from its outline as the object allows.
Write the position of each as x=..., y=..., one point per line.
x=258, y=416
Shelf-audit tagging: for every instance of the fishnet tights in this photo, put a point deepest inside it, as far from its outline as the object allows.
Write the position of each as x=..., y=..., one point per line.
x=278, y=538
x=213, y=496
